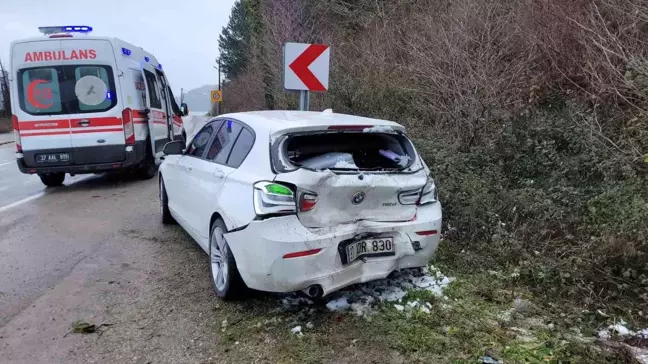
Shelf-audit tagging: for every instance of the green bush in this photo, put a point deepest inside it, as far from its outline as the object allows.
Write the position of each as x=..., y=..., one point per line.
x=539, y=199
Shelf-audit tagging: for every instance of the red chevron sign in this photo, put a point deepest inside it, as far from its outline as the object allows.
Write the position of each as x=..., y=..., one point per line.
x=306, y=66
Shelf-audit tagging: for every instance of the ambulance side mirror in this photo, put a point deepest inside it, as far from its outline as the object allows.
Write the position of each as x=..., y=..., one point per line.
x=173, y=148
x=184, y=109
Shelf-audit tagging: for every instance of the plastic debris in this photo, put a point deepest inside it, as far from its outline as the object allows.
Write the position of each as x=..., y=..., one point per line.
x=339, y=304
x=361, y=299
x=399, y=307
x=489, y=360
x=296, y=330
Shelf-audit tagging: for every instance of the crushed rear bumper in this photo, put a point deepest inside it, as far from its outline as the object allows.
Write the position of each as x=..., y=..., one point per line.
x=260, y=247
x=86, y=160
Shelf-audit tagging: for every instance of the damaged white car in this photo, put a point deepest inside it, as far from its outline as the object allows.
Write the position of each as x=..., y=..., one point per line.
x=287, y=201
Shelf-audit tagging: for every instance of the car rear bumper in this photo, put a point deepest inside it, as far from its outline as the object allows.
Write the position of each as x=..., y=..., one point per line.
x=260, y=247
x=82, y=159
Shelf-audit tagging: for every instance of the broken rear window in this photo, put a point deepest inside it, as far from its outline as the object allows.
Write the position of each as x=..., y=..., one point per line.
x=346, y=151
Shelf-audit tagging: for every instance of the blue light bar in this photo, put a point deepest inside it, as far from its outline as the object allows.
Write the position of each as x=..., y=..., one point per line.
x=147, y=59
x=65, y=29
x=126, y=51
x=160, y=66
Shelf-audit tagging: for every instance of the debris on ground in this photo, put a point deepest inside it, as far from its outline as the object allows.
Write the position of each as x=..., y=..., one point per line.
x=82, y=327
x=489, y=360
x=339, y=304
x=296, y=330
x=362, y=299
x=636, y=341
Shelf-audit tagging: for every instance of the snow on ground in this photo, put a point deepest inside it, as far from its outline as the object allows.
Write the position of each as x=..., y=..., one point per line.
x=620, y=330
x=362, y=299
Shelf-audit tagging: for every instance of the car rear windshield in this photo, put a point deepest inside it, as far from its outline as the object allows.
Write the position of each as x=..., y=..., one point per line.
x=348, y=151
x=73, y=89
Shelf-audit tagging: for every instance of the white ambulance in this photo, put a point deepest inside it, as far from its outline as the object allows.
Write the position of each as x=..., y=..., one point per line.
x=85, y=104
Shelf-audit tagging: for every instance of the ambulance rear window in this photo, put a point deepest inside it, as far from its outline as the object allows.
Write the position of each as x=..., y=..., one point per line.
x=74, y=89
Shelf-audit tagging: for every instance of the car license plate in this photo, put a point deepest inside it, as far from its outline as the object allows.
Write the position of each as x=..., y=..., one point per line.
x=370, y=247
x=53, y=158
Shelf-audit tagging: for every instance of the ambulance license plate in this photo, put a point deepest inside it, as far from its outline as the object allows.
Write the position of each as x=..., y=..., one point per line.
x=53, y=158
x=375, y=247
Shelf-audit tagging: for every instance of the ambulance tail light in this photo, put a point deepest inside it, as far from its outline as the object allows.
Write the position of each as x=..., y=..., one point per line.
x=129, y=128
x=16, y=129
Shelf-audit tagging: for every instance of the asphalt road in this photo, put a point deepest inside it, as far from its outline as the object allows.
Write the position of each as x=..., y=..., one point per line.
x=95, y=250
x=15, y=186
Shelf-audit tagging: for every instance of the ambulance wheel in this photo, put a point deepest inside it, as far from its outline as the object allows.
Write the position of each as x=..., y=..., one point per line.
x=148, y=168
x=52, y=179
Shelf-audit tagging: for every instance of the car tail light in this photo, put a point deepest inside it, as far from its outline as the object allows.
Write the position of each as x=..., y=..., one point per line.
x=429, y=193
x=273, y=198
x=129, y=128
x=409, y=197
x=307, y=202
x=16, y=129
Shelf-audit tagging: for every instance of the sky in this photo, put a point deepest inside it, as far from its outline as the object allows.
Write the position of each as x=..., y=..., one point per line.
x=183, y=35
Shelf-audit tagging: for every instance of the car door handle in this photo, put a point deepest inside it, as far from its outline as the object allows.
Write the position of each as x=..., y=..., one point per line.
x=83, y=122
x=189, y=167
x=219, y=174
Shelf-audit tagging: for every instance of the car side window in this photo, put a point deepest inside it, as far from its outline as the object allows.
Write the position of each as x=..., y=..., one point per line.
x=200, y=142
x=223, y=141
x=241, y=148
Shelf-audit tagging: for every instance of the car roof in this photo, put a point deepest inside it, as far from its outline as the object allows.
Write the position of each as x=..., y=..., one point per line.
x=277, y=120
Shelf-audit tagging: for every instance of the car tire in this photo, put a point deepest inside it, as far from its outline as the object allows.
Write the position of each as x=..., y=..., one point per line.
x=225, y=276
x=147, y=168
x=167, y=219
x=52, y=179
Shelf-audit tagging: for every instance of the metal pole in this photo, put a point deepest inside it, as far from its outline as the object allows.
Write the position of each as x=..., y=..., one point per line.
x=181, y=95
x=219, y=85
x=304, y=100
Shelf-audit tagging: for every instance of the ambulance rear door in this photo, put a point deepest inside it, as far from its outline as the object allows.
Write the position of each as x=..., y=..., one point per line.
x=94, y=101
x=155, y=102
x=39, y=103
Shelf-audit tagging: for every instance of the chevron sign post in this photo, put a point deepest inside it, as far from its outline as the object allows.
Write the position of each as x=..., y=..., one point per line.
x=306, y=68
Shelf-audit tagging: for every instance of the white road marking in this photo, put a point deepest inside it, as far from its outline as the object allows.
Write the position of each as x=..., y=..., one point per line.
x=24, y=200
x=5, y=163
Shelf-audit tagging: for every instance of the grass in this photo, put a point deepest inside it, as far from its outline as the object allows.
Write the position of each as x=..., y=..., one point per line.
x=478, y=316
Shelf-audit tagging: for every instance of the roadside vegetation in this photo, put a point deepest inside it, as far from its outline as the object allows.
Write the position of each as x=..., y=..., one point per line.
x=533, y=117
x=5, y=104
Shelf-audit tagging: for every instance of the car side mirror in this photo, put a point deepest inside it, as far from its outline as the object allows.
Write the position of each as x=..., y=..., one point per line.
x=184, y=109
x=174, y=147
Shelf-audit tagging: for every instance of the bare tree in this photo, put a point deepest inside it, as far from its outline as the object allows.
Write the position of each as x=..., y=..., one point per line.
x=5, y=103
